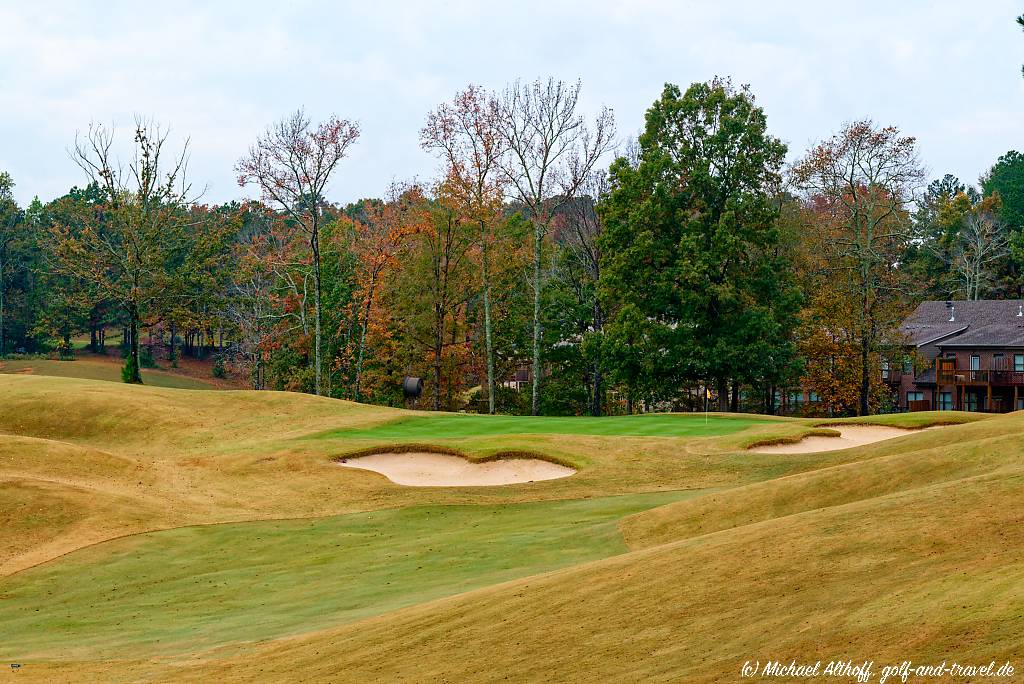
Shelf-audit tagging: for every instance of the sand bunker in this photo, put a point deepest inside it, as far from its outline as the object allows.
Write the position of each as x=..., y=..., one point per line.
x=421, y=469
x=850, y=436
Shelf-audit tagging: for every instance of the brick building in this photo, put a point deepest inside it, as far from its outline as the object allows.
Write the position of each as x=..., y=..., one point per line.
x=966, y=355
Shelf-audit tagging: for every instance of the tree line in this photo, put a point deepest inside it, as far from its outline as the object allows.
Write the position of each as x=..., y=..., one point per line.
x=550, y=268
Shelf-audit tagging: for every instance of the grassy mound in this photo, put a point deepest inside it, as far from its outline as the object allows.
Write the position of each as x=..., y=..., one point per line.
x=151, y=543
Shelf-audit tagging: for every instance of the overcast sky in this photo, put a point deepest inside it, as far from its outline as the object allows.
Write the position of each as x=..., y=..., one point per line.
x=947, y=72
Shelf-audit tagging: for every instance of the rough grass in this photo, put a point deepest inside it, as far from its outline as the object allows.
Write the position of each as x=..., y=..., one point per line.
x=901, y=549
x=100, y=368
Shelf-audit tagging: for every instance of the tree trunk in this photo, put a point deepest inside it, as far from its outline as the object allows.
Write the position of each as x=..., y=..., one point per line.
x=488, y=345
x=362, y=339
x=315, y=244
x=453, y=342
x=538, y=235
x=734, y=403
x=596, y=382
x=597, y=377
x=67, y=336
x=135, y=376
x=174, y=357
x=438, y=346
x=3, y=341
x=865, y=356
x=723, y=394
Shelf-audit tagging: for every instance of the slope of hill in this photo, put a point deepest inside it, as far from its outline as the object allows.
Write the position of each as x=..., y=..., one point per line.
x=906, y=549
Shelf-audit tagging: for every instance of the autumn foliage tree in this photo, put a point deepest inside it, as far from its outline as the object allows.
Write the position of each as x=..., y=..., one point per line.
x=292, y=164
x=466, y=134
x=379, y=238
x=863, y=181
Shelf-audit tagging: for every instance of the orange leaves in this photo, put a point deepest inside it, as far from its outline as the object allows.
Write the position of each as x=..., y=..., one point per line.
x=466, y=135
x=379, y=238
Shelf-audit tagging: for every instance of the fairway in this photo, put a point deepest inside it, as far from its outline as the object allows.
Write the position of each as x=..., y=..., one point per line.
x=205, y=586
x=443, y=426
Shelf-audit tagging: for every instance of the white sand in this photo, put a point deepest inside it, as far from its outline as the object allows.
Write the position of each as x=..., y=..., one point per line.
x=850, y=436
x=420, y=469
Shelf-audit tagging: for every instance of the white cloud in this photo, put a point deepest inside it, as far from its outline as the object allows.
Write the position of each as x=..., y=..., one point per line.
x=220, y=73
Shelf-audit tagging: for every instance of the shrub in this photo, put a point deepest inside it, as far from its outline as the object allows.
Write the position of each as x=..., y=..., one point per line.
x=219, y=370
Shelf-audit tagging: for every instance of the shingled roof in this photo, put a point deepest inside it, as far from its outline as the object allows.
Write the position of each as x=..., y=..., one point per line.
x=983, y=323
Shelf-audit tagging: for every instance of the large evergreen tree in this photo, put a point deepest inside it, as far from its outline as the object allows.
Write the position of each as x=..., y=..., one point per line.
x=689, y=248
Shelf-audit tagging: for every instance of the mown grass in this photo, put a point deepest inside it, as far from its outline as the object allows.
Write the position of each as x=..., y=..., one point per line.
x=201, y=587
x=456, y=426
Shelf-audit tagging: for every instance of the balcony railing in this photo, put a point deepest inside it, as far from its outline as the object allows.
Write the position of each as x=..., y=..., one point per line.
x=983, y=376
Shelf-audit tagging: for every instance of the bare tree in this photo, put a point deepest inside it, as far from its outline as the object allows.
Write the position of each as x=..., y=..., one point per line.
x=550, y=151
x=292, y=164
x=863, y=181
x=981, y=243
x=466, y=133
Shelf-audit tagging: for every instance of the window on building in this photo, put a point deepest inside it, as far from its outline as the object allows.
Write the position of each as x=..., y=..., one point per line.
x=971, y=402
x=975, y=362
x=1020, y=403
x=885, y=369
x=908, y=366
x=1018, y=363
x=814, y=398
x=915, y=396
x=997, y=362
x=796, y=398
x=945, y=401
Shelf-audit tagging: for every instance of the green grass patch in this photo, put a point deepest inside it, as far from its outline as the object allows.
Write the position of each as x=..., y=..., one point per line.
x=200, y=587
x=457, y=425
